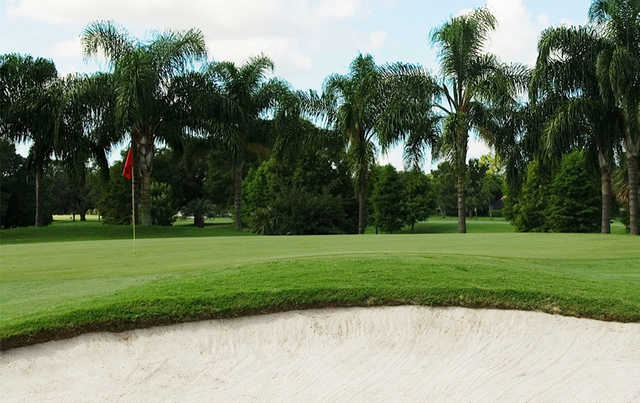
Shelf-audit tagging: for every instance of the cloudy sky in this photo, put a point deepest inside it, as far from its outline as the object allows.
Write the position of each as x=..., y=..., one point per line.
x=307, y=39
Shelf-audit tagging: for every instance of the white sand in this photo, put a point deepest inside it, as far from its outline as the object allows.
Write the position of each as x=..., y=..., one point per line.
x=379, y=354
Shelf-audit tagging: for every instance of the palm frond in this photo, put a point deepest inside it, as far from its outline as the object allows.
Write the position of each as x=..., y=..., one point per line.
x=105, y=36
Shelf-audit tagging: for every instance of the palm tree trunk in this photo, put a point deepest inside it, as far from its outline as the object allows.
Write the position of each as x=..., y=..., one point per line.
x=144, y=165
x=198, y=220
x=37, y=221
x=607, y=193
x=462, y=214
x=461, y=171
x=362, y=203
x=634, y=187
x=237, y=194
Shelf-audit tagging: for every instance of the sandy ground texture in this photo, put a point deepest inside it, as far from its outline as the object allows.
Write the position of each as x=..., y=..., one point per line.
x=375, y=354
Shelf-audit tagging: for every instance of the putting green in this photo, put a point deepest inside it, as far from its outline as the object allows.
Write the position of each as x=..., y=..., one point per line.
x=58, y=289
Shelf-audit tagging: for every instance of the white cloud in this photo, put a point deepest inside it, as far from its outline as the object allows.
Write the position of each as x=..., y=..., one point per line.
x=336, y=8
x=516, y=36
x=285, y=50
x=377, y=39
x=285, y=30
x=71, y=48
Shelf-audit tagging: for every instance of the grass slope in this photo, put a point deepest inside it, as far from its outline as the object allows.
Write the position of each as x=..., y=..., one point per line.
x=50, y=290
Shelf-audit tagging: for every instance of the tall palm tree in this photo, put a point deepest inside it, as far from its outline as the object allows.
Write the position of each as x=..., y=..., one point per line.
x=87, y=128
x=475, y=91
x=618, y=71
x=348, y=105
x=30, y=110
x=142, y=74
x=584, y=117
x=241, y=125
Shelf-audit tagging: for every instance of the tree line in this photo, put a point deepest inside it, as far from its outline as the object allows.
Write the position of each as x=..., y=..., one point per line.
x=234, y=135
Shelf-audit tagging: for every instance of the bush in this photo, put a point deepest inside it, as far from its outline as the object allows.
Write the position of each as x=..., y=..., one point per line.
x=114, y=200
x=420, y=201
x=527, y=209
x=389, y=200
x=162, y=210
x=310, y=195
x=575, y=201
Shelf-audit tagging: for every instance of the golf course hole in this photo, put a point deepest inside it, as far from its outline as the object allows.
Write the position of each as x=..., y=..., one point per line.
x=355, y=354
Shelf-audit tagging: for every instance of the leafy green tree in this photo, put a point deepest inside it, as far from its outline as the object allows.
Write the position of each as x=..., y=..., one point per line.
x=185, y=173
x=529, y=209
x=491, y=192
x=218, y=184
x=389, y=200
x=444, y=187
x=574, y=202
x=30, y=110
x=586, y=117
x=617, y=70
x=309, y=194
x=162, y=212
x=17, y=194
x=142, y=74
x=114, y=200
x=476, y=173
x=419, y=197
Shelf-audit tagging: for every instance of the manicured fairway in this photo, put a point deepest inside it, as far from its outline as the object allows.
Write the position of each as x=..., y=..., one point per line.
x=56, y=289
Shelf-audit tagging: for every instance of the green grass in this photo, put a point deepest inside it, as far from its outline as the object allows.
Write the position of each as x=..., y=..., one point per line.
x=65, y=230
x=50, y=290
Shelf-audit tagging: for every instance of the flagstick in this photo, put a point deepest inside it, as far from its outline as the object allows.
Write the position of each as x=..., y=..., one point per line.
x=133, y=206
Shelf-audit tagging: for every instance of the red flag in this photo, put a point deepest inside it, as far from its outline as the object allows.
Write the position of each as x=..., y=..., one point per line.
x=128, y=166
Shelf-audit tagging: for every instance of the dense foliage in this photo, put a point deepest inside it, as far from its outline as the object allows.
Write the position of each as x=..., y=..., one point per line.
x=226, y=138
x=574, y=205
x=389, y=200
x=562, y=200
x=17, y=193
x=311, y=194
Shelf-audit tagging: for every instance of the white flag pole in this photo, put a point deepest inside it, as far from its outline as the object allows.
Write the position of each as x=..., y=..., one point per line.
x=133, y=198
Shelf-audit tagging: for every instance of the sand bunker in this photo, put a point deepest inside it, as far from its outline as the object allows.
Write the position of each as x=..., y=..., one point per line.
x=381, y=354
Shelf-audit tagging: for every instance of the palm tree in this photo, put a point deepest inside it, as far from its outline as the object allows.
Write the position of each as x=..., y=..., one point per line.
x=475, y=90
x=247, y=96
x=87, y=128
x=142, y=74
x=30, y=110
x=618, y=72
x=584, y=117
x=354, y=105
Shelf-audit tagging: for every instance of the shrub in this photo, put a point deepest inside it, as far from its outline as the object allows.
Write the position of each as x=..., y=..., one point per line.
x=528, y=208
x=309, y=195
x=420, y=202
x=575, y=200
x=389, y=200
